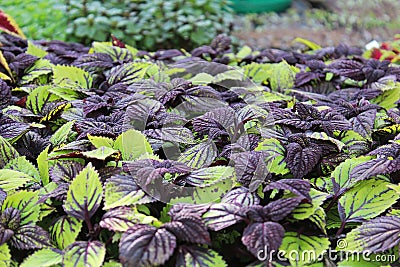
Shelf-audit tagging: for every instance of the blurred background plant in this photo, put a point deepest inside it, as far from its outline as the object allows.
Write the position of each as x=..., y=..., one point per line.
x=148, y=24
x=155, y=24
x=38, y=19
x=145, y=24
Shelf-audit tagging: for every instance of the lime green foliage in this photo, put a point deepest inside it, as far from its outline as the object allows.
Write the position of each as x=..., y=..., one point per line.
x=38, y=19
x=44, y=258
x=5, y=256
x=307, y=248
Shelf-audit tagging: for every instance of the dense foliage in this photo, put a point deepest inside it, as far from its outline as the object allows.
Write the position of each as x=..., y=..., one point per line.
x=113, y=156
x=148, y=24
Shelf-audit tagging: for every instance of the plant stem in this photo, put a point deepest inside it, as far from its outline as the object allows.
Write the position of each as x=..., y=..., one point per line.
x=341, y=228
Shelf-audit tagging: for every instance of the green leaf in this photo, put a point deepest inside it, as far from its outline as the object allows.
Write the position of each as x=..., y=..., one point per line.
x=116, y=53
x=202, y=195
x=26, y=203
x=388, y=98
x=276, y=155
x=100, y=153
x=306, y=210
x=65, y=231
x=257, y=72
x=121, y=218
x=21, y=164
x=201, y=78
x=308, y=43
x=319, y=218
x=62, y=134
x=43, y=258
x=198, y=156
x=244, y=52
x=7, y=152
x=11, y=180
x=112, y=264
x=198, y=257
x=43, y=165
x=82, y=254
x=129, y=73
x=35, y=50
x=99, y=141
x=282, y=76
x=5, y=256
x=366, y=200
x=72, y=77
x=68, y=94
x=84, y=194
x=38, y=98
x=355, y=143
x=306, y=249
x=207, y=176
x=341, y=175
x=132, y=144
x=122, y=190
x=38, y=71
x=233, y=74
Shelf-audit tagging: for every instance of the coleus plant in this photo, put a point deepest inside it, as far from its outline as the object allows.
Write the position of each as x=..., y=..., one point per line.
x=111, y=156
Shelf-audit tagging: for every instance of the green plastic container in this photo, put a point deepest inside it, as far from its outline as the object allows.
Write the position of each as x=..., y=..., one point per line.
x=258, y=6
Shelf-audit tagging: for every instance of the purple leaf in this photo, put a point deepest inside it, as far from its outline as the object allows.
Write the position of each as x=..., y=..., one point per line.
x=374, y=167
x=279, y=209
x=223, y=215
x=348, y=68
x=5, y=94
x=30, y=237
x=183, y=209
x=10, y=218
x=364, y=122
x=301, y=160
x=241, y=196
x=189, y=228
x=3, y=196
x=250, y=166
x=379, y=234
x=118, y=219
x=296, y=186
x=65, y=171
x=5, y=234
x=144, y=245
x=10, y=128
x=265, y=237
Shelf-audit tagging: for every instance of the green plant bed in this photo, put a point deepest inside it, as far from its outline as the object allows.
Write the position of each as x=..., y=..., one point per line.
x=258, y=6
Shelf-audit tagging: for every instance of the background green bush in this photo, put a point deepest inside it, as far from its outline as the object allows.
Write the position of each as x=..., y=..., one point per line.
x=145, y=24
x=149, y=24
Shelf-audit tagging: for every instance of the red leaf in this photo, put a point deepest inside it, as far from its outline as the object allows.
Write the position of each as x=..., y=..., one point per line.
x=376, y=53
x=8, y=25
